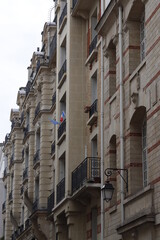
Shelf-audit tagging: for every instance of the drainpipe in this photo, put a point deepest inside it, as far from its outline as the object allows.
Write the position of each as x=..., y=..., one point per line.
x=121, y=113
x=102, y=130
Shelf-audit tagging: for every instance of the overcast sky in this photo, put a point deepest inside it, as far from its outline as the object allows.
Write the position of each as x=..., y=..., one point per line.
x=21, y=24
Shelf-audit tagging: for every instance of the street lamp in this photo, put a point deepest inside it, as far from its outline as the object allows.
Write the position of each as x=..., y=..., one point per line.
x=108, y=189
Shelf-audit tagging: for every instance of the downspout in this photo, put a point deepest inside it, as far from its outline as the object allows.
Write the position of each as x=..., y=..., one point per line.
x=102, y=130
x=121, y=113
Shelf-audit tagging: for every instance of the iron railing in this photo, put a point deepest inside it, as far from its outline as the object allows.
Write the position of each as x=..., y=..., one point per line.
x=28, y=87
x=53, y=46
x=36, y=157
x=3, y=206
x=21, y=228
x=87, y=171
x=92, y=46
x=60, y=190
x=22, y=117
x=63, y=14
x=27, y=223
x=12, y=159
x=74, y=3
x=22, y=190
x=62, y=128
x=53, y=148
x=54, y=99
x=93, y=108
x=62, y=71
x=10, y=195
x=35, y=205
x=26, y=130
x=37, y=110
x=25, y=173
x=5, y=172
x=50, y=204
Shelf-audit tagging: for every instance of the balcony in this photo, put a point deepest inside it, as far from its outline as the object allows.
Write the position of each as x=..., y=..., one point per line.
x=62, y=74
x=53, y=149
x=12, y=159
x=27, y=223
x=3, y=207
x=60, y=190
x=21, y=228
x=93, y=115
x=92, y=51
x=87, y=172
x=10, y=196
x=35, y=205
x=26, y=130
x=61, y=131
x=25, y=174
x=28, y=87
x=54, y=99
x=5, y=173
x=82, y=8
x=22, y=190
x=50, y=204
x=36, y=158
x=37, y=110
x=63, y=18
x=53, y=48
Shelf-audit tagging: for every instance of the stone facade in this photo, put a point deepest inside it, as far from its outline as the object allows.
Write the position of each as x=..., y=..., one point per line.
x=54, y=156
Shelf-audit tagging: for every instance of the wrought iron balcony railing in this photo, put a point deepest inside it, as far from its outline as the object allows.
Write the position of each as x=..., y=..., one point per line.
x=92, y=46
x=62, y=71
x=22, y=154
x=12, y=159
x=5, y=172
x=87, y=171
x=28, y=87
x=26, y=130
x=60, y=190
x=53, y=148
x=36, y=157
x=21, y=228
x=62, y=128
x=10, y=195
x=53, y=46
x=74, y=3
x=93, y=108
x=35, y=205
x=4, y=206
x=25, y=173
x=22, y=190
x=37, y=110
x=27, y=223
x=50, y=204
x=54, y=99
x=22, y=117
x=63, y=14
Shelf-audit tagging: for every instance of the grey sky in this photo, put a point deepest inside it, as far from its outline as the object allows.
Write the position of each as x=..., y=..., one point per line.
x=21, y=24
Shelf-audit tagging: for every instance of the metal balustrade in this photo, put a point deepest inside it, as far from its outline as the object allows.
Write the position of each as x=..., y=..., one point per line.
x=36, y=157
x=26, y=130
x=35, y=205
x=60, y=190
x=62, y=71
x=87, y=171
x=63, y=14
x=50, y=204
x=93, y=44
x=53, y=148
x=62, y=128
x=3, y=206
x=25, y=173
x=10, y=195
x=27, y=223
x=28, y=87
x=37, y=110
x=53, y=46
x=93, y=108
x=54, y=99
x=74, y=3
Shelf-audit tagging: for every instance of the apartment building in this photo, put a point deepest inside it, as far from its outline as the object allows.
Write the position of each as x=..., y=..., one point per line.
x=90, y=104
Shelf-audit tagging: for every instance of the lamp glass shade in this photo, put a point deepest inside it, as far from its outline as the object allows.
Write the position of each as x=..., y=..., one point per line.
x=107, y=191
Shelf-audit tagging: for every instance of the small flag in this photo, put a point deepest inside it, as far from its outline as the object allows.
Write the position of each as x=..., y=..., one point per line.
x=54, y=121
x=63, y=116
